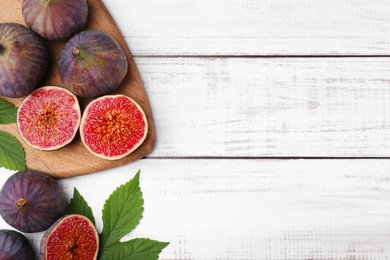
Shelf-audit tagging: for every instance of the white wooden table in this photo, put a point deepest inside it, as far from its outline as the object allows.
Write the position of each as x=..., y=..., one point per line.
x=273, y=127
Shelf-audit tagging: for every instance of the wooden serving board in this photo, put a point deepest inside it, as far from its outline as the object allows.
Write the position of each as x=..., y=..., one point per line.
x=74, y=159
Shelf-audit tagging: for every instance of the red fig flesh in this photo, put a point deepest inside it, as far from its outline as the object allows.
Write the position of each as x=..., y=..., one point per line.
x=71, y=237
x=48, y=118
x=113, y=126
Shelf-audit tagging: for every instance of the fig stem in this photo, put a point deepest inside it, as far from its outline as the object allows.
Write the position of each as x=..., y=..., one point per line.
x=20, y=203
x=76, y=51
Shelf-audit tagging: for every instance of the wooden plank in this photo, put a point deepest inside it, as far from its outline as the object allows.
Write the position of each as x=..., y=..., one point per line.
x=252, y=27
x=269, y=107
x=74, y=159
x=255, y=209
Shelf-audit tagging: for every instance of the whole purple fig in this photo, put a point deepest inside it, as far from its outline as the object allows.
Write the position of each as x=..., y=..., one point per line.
x=55, y=20
x=92, y=64
x=14, y=245
x=23, y=60
x=31, y=201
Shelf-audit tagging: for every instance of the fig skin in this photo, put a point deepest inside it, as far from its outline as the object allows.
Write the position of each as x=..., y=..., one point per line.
x=68, y=246
x=14, y=245
x=55, y=20
x=24, y=59
x=92, y=64
x=31, y=201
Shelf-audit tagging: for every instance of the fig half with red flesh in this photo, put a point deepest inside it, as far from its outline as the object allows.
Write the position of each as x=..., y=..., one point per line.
x=113, y=126
x=55, y=20
x=71, y=237
x=49, y=118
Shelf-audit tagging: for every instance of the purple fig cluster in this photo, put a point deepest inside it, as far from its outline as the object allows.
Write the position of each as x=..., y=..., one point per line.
x=91, y=64
x=30, y=201
x=24, y=54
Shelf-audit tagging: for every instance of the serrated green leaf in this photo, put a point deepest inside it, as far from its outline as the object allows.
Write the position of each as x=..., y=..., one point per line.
x=78, y=205
x=135, y=249
x=12, y=155
x=122, y=212
x=7, y=112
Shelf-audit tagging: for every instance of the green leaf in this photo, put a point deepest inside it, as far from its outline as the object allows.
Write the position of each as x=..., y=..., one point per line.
x=12, y=154
x=122, y=212
x=78, y=205
x=135, y=249
x=7, y=112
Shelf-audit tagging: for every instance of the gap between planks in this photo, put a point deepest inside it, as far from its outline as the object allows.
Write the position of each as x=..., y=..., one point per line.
x=263, y=158
x=258, y=56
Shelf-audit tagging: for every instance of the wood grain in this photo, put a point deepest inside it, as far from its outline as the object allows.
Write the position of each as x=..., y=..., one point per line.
x=252, y=27
x=255, y=209
x=263, y=107
x=74, y=159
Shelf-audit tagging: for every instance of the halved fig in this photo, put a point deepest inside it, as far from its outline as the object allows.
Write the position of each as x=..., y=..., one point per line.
x=113, y=126
x=48, y=118
x=55, y=20
x=71, y=237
